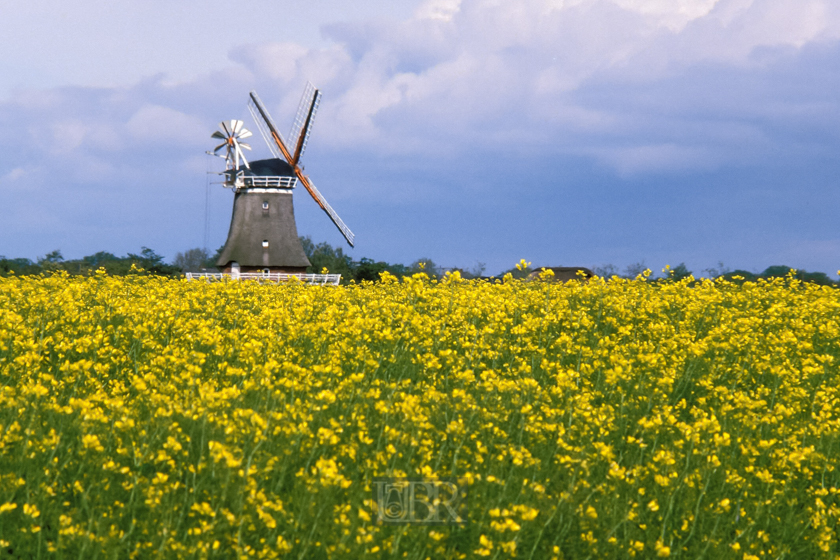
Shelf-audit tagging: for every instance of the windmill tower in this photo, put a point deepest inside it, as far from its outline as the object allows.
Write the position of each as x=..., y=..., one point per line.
x=263, y=235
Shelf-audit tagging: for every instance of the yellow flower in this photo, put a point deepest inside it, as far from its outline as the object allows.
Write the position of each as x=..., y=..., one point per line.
x=31, y=510
x=662, y=551
x=522, y=265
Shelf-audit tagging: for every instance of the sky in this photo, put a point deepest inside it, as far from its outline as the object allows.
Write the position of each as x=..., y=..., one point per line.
x=469, y=132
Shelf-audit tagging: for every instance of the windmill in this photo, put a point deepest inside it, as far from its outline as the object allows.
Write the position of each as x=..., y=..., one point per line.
x=263, y=235
x=232, y=133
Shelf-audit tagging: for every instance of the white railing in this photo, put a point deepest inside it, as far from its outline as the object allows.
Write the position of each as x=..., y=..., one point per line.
x=242, y=181
x=259, y=181
x=323, y=279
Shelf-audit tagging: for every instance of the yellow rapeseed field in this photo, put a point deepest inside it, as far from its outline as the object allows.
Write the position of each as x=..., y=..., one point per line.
x=150, y=418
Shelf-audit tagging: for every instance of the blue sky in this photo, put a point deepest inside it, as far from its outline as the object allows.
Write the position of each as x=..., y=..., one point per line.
x=565, y=132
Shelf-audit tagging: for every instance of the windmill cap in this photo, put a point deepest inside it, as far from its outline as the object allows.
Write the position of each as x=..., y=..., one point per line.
x=273, y=167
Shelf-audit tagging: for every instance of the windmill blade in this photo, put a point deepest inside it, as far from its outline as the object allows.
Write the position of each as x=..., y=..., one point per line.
x=270, y=131
x=264, y=132
x=308, y=102
x=232, y=132
x=307, y=127
x=322, y=202
x=239, y=155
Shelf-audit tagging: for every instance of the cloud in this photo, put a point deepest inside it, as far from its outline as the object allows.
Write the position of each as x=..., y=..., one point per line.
x=483, y=70
x=468, y=104
x=165, y=126
x=657, y=158
x=14, y=178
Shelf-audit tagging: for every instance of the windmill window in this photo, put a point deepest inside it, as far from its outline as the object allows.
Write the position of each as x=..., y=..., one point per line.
x=265, y=205
x=265, y=243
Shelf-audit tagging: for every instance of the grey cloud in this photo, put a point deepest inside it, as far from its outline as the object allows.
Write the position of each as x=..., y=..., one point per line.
x=473, y=120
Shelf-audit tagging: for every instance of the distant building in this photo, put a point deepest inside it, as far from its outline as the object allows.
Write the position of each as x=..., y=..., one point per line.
x=263, y=236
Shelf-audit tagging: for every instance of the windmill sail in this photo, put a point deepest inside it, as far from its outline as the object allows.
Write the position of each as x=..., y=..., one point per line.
x=322, y=202
x=308, y=106
x=265, y=125
x=279, y=146
x=303, y=139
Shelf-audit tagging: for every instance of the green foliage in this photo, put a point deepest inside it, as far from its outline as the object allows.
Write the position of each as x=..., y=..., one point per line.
x=211, y=262
x=679, y=272
x=323, y=255
x=425, y=265
x=20, y=267
x=333, y=259
x=778, y=271
x=51, y=259
x=820, y=278
x=740, y=276
x=192, y=260
x=370, y=270
x=149, y=261
x=99, y=259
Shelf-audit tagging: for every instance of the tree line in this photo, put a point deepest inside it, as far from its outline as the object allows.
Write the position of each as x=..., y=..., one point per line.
x=321, y=256
x=324, y=256
x=147, y=260
x=680, y=272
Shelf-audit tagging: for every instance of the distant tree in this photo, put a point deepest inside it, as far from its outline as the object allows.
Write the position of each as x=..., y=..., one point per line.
x=398, y=270
x=776, y=271
x=98, y=259
x=368, y=269
x=635, y=269
x=192, y=260
x=718, y=271
x=307, y=244
x=740, y=276
x=51, y=261
x=424, y=265
x=151, y=262
x=52, y=257
x=820, y=278
x=606, y=271
x=780, y=271
x=679, y=272
x=323, y=255
x=211, y=261
x=18, y=266
x=477, y=271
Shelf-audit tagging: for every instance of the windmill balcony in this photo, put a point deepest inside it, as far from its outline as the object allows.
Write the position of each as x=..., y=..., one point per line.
x=260, y=181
